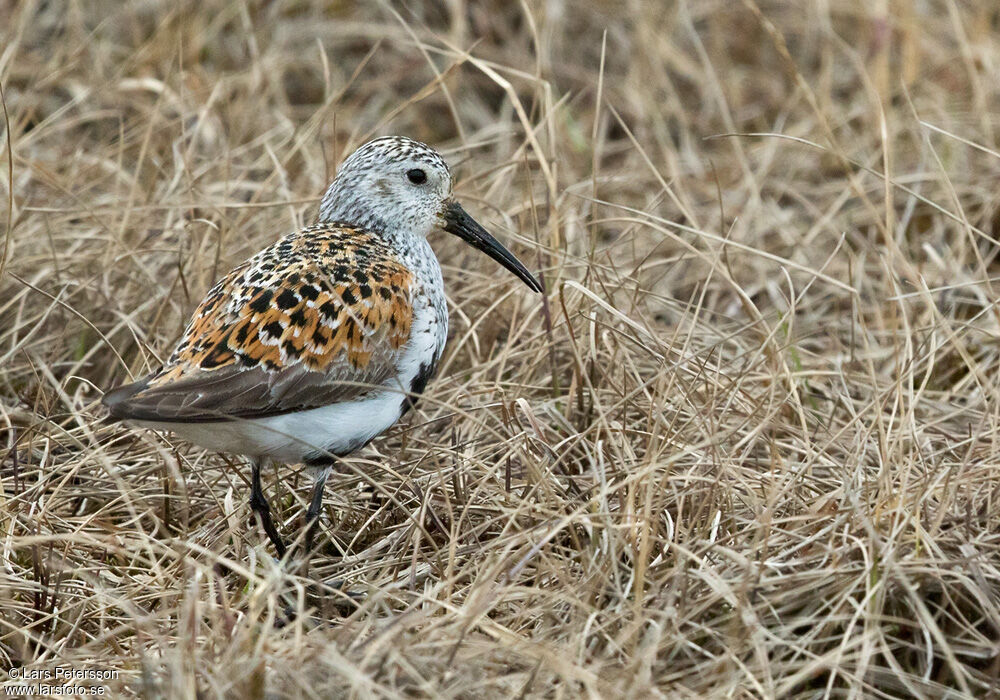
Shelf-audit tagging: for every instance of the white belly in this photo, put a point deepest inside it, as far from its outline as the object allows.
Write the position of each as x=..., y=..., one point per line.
x=338, y=428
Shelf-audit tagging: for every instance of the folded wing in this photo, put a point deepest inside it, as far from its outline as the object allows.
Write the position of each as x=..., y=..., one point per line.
x=321, y=316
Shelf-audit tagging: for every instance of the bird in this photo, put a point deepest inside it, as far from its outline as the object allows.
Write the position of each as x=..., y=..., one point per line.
x=317, y=344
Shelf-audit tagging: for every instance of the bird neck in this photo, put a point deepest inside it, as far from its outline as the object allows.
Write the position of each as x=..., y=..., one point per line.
x=350, y=208
x=345, y=205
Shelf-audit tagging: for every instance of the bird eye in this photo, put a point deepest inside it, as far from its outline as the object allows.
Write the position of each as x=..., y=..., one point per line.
x=417, y=176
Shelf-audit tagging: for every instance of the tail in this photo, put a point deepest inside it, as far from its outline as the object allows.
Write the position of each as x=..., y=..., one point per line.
x=117, y=400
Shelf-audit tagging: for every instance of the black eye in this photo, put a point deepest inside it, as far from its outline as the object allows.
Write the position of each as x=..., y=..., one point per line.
x=417, y=176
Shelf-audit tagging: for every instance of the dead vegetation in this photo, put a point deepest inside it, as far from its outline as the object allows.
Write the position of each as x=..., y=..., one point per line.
x=746, y=447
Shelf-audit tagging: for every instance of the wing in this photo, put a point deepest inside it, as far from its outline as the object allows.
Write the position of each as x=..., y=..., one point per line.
x=320, y=317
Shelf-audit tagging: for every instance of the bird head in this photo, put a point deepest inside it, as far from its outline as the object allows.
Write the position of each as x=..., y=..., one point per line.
x=396, y=186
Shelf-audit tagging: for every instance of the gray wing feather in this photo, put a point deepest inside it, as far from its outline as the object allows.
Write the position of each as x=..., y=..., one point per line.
x=232, y=392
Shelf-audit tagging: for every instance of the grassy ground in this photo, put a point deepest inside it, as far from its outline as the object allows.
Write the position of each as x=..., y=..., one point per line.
x=746, y=446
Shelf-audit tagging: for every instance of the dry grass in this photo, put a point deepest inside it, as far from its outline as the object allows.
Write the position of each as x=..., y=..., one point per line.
x=746, y=447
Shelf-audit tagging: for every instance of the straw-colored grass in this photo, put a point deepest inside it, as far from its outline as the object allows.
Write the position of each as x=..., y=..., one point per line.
x=746, y=446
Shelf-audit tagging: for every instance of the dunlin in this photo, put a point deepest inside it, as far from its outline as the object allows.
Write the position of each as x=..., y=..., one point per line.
x=317, y=344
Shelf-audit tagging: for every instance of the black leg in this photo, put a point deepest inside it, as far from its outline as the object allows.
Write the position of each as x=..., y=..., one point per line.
x=259, y=505
x=315, y=509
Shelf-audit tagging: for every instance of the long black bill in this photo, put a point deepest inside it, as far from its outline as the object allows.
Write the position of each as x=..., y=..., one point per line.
x=458, y=222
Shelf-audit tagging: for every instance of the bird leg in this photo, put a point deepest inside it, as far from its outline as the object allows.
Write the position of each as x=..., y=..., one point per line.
x=259, y=505
x=314, y=512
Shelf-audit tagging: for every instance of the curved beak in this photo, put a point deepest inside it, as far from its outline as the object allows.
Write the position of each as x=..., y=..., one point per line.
x=458, y=222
